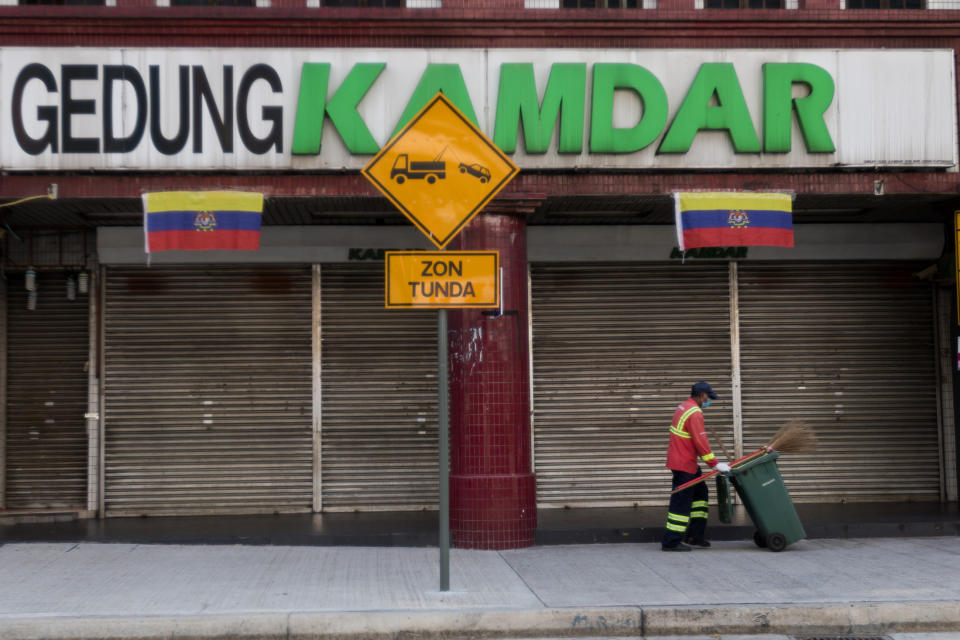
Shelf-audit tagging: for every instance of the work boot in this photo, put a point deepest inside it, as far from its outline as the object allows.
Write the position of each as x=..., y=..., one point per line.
x=703, y=543
x=679, y=546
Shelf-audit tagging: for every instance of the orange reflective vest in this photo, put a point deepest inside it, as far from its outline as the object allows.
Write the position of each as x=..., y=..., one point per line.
x=688, y=439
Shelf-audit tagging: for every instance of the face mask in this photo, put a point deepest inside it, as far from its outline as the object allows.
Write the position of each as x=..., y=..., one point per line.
x=706, y=403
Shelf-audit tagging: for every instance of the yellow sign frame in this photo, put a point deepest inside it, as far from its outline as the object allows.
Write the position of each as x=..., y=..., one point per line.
x=956, y=262
x=405, y=288
x=438, y=196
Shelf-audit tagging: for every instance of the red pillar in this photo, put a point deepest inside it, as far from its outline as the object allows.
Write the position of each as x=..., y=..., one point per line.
x=492, y=486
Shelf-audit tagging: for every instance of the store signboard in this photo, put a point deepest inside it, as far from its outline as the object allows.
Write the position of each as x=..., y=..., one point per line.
x=248, y=109
x=442, y=279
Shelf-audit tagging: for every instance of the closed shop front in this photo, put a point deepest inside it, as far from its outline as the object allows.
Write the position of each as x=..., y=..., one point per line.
x=207, y=390
x=46, y=391
x=847, y=347
x=267, y=376
x=379, y=396
x=616, y=348
x=850, y=349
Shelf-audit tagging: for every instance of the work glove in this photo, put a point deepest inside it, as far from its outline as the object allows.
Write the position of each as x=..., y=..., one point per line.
x=722, y=467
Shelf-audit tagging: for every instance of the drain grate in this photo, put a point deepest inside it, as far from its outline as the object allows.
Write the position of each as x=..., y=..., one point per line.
x=842, y=638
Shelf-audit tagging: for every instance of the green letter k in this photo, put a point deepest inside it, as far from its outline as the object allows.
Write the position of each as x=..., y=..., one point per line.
x=312, y=105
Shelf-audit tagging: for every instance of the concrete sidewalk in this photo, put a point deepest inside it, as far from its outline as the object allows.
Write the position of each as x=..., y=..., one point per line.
x=876, y=585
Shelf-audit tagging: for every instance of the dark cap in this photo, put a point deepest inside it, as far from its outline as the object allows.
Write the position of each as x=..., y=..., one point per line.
x=703, y=387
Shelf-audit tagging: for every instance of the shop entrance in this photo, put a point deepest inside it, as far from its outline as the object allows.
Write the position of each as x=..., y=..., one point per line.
x=847, y=347
x=47, y=335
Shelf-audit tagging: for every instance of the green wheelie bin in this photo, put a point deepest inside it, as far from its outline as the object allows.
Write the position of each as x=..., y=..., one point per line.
x=760, y=486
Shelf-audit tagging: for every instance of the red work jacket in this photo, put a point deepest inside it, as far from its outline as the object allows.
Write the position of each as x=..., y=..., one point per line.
x=688, y=439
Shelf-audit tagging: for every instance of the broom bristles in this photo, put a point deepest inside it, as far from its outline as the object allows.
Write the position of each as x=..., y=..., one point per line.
x=795, y=436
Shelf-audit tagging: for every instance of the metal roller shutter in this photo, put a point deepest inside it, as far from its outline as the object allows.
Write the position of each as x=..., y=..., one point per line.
x=615, y=350
x=947, y=362
x=208, y=390
x=850, y=349
x=379, y=389
x=46, y=443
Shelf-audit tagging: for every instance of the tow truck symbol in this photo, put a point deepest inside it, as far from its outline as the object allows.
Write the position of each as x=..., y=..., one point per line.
x=432, y=170
x=429, y=170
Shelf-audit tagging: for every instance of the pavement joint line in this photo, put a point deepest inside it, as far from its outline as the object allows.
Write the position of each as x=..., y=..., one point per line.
x=522, y=579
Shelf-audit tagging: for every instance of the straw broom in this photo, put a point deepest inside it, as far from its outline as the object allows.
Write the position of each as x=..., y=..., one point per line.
x=795, y=436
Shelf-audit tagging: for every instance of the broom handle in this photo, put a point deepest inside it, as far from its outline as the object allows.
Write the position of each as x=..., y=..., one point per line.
x=713, y=434
x=707, y=476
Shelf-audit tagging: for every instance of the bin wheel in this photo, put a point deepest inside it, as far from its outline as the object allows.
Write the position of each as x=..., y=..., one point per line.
x=759, y=540
x=776, y=542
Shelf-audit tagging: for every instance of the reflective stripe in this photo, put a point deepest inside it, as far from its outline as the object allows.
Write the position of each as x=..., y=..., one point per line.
x=678, y=430
x=678, y=517
x=676, y=527
x=699, y=509
x=686, y=414
x=708, y=457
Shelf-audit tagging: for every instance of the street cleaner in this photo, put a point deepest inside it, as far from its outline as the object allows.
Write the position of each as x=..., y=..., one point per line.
x=687, y=517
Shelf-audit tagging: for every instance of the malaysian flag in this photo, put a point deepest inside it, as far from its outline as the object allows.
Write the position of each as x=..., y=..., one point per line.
x=730, y=219
x=201, y=220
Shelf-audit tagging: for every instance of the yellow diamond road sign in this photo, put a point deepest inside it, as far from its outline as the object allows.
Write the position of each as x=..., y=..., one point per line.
x=440, y=170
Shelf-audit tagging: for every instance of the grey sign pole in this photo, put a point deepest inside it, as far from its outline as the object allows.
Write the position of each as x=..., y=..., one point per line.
x=444, y=461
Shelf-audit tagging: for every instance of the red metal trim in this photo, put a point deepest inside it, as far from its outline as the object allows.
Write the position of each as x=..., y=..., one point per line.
x=526, y=183
x=287, y=26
